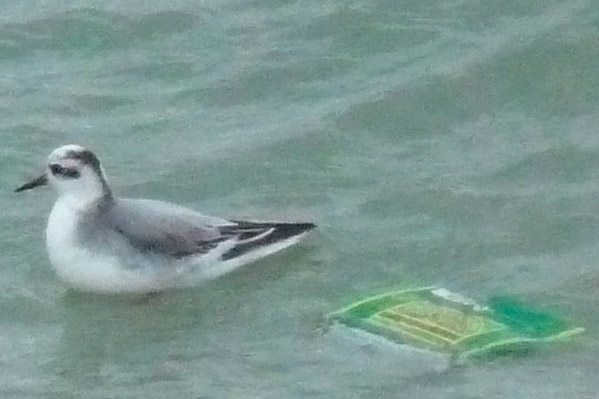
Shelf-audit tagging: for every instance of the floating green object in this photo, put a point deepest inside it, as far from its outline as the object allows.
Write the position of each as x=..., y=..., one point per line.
x=436, y=319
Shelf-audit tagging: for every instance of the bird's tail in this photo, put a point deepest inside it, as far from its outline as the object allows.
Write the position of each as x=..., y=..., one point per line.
x=255, y=236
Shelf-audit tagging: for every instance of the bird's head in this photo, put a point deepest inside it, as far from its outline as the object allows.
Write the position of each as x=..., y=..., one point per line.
x=75, y=173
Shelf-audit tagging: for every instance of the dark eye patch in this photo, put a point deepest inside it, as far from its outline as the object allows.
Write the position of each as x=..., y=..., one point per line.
x=58, y=170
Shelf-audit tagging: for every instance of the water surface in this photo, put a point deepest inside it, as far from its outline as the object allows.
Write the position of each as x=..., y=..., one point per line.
x=447, y=142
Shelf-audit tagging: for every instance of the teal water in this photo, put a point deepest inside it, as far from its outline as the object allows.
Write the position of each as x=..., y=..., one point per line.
x=448, y=142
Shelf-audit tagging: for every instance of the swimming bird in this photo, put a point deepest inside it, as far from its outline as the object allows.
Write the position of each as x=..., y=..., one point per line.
x=101, y=243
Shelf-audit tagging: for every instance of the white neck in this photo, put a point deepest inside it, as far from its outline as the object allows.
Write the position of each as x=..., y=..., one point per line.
x=79, y=201
x=84, y=192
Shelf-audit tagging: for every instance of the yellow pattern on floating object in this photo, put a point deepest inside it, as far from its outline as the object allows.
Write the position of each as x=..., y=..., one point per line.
x=438, y=325
x=453, y=324
x=438, y=319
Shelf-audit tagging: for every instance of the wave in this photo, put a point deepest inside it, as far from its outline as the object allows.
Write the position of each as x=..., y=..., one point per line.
x=89, y=30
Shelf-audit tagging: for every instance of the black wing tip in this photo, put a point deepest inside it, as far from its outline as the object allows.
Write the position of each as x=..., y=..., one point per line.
x=303, y=226
x=306, y=225
x=279, y=232
x=293, y=229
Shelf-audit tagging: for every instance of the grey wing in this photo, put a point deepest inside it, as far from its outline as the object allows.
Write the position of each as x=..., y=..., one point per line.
x=166, y=229
x=175, y=231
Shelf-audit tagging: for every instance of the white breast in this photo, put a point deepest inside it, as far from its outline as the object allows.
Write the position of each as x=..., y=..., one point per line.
x=60, y=237
x=81, y=268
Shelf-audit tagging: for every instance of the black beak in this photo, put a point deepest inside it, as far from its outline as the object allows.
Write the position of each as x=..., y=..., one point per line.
x=40, y=181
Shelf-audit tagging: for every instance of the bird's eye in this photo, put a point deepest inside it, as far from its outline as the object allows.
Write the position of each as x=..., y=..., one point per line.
x=58, y=170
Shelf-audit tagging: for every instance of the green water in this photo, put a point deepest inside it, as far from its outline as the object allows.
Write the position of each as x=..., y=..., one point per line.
x=448, y=142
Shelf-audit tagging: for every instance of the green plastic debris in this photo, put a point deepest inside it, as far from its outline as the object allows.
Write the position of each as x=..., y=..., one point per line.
x=436, y=319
